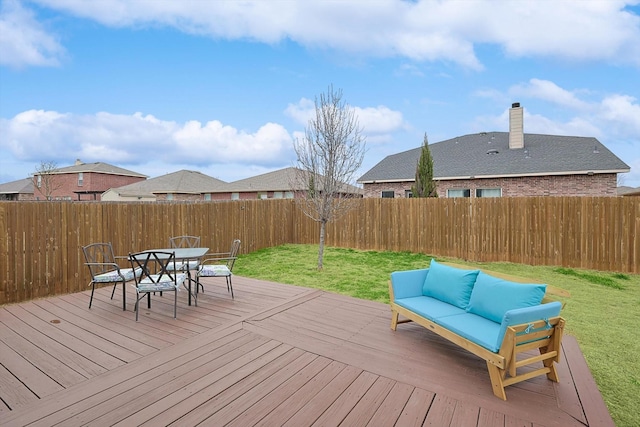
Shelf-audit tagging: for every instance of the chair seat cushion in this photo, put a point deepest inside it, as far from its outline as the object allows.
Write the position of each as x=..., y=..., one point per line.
x=190, y=265
x=477, y=329
x=113, y=276
x=428, y=307
x=160, y=284
x=213, y=270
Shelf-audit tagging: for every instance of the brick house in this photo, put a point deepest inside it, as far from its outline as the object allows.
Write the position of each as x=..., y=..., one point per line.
x=183, y=185
x=82, y=181
x=21, y=189
x=279, y=184
x=504, y=164
x=195, y=186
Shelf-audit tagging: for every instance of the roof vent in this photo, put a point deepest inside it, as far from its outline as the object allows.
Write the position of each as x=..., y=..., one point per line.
x=595, y=150
x=492, y=152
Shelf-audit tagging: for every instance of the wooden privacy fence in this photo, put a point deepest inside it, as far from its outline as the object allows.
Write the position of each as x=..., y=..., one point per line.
x=40, y=242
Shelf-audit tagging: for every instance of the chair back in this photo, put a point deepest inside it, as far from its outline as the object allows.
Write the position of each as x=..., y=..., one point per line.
x=233, y=254
x=99, y=258
x=157, y=267
x=184, y=242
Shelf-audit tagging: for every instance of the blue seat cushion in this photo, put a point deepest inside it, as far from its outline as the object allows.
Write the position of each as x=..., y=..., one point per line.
x=477, y=329
x=429, y=307
x=449, y=284
x=492, y=297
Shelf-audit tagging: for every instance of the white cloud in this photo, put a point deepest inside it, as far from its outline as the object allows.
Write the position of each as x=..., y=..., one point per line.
x=422, y=30
x=38, y=135
x=301, y=112
x=379, y=120
x=24, y=41
x=372, y=120
x=549, y=91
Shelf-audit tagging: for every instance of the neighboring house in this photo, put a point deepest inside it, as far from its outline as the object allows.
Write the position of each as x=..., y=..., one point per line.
x=82, y=181
x=504, y=164
x=180, y=185
x=279, y=184
x=623, y=190
x=21, y=189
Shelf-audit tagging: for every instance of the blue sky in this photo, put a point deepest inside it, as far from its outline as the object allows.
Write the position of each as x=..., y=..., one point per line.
x=226, y=87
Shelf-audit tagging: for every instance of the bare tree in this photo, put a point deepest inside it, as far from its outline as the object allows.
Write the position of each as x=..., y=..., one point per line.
x=424, y=186
x=328, y=156
x=45, y=180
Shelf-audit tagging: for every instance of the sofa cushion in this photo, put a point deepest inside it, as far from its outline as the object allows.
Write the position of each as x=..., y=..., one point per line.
x=449, y=284
x=429, y=308
x=477, y=329
x=492, y=297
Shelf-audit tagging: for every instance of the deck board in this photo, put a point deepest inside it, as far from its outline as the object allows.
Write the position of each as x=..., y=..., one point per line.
x=275, y=355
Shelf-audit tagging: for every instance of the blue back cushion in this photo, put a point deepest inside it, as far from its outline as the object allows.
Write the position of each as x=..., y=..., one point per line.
x=492, y=297
x=449, y=284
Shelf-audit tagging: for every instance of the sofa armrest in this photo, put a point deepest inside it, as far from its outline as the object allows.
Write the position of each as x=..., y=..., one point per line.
x=407, y=284
x=528, y=314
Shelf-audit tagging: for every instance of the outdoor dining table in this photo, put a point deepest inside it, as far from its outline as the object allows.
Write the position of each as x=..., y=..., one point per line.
x=185, y=255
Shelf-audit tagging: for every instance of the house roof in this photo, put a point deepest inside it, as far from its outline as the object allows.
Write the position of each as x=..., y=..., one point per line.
x=624, y=190
x=97, y=167
x=279, y=180
x=180, y=182
x=487, y=155
x=21, y=186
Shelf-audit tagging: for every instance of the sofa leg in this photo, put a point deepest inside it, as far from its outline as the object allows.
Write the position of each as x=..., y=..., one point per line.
x=496, y=381
x=553, y=372
x=394, y=320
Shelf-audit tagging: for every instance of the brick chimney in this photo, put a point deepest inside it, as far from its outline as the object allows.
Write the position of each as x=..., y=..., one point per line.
x=516, y=126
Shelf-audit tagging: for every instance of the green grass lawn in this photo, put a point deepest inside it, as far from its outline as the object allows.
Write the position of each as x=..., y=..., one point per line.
x=603, y=311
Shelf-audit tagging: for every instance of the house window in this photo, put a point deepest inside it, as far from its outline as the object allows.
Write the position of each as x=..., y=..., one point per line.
x=408, y=194
x=388, y=194
x=277, y=194
x=39, y=181
x=169, y=196
x=80, y=179
x=489, y=192
x=459, y=192
x=235, y=196
x=207, y=197
x=263, y=196
x=288, y=195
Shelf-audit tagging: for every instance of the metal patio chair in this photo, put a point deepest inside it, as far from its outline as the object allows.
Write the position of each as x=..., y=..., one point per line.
x=185, y=242
x=104, y=269
x=156, y=276
x=219, y=265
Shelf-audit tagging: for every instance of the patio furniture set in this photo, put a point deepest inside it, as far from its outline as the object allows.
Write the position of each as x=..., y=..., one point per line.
x=153, y=271
x=510, y=325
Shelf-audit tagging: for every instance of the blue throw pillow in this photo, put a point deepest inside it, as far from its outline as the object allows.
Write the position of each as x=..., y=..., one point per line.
x=493, y=297
x=449, y=284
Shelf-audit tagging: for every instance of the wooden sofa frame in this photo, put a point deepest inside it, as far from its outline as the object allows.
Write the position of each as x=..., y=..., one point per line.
x=503, y=365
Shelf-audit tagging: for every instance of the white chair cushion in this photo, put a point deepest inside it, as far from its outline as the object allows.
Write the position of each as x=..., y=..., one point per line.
x=113, y=276
x=191, y=265
x=213, y=270
x=147, y=285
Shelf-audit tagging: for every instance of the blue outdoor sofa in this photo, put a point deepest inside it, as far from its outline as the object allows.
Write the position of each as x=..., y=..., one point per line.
x=493, y=318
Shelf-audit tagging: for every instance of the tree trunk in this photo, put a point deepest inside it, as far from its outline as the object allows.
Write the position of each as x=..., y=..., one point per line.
x=321, y=245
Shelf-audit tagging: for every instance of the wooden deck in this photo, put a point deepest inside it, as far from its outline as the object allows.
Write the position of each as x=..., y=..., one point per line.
x=276, y=355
